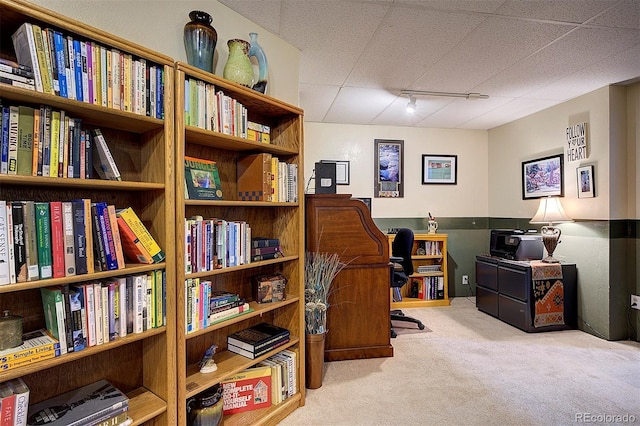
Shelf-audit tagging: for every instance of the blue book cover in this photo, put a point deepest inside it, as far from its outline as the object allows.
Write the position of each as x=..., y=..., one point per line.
x=77, y=60
x=60, y=62
x=4, y=153
x=76, y=303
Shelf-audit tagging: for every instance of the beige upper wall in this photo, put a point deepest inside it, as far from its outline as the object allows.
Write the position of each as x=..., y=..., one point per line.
x=158, y=25
x=355, y=143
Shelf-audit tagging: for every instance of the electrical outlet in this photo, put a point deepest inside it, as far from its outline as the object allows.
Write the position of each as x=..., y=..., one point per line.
x=635, y=301
x=465, y=280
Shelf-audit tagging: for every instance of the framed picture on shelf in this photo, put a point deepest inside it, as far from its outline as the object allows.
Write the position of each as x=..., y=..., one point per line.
x=543, y=177
x=439, y=169
x=342, y=171
x=388, y=168
x=586, y=184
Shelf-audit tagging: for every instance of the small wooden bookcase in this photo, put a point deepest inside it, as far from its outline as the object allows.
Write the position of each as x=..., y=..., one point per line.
x=429, y=251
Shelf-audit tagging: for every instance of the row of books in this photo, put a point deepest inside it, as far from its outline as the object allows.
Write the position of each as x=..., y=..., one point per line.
x=263, y=177
x=89, y=72
x=431, y=248
x=272, y=381
x=97, y=312
x=42, y=240
x=204, y=306
x=257, y=340
x=213, y=243
x=96, y=404
x=210, y=109
x=427, y=288
x=14, y=402
x=47, y=142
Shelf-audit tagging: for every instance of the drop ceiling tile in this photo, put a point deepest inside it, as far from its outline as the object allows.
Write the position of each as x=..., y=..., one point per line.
x=358, y=105
x=507, y=112
x=625, y=14
x=265, y=13
x=485, y=6
x=579, y=49
x=459, y=111
x=493, y=47
x=330, y=35
x=408, y=42
x=316, y=100
x=577, y=11
x=396, y=114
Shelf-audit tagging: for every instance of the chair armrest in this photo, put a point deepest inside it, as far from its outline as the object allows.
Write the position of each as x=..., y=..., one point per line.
x=396, y=259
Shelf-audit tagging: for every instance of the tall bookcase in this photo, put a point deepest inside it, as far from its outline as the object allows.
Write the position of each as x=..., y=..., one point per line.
x=141, y=365
x=430, y=251
x=281, y=220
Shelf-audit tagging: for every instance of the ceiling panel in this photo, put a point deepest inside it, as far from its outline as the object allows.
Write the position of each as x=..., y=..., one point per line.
x=356, y=105
x=576, y=11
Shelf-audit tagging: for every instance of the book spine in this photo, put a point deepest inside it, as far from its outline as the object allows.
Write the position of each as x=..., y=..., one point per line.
x=79, y=335
x=103, y=160
x=69, y=60
x=77, y=63
x=228, y=313
x=31, y=241
x=37, y=127
x=143, y=234
x=21, y=391
x=5, y=277
x=4, y=142
x=80, y=237
x=115, y=231
x=112, y=315
x=89, y=317
x=122, y=307
x=54, y=143
x=101, y=337
x=110, y=249
x=41, y=65
x=139, y=296
x=14, y=116
x=60, y=63
x=68, y=325
x=25, y=48
x=256, y=347
x=129, y=302
x=43, y=230
x=24, y=155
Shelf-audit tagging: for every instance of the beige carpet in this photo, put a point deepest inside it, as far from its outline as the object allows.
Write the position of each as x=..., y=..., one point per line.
x=468, y=368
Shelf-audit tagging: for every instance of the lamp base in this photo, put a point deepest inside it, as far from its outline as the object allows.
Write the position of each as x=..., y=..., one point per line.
x=550, y=239
x=550, y=259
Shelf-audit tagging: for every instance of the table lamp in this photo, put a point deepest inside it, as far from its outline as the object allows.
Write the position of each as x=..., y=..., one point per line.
x=550, y=211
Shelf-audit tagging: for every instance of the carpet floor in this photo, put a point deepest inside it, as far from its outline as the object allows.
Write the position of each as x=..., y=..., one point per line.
x=468, y=368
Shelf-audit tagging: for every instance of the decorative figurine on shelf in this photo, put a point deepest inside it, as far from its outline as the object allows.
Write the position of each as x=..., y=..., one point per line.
x=238, y=67
x=207, y=364
x=433, y=225
x=200, y=40
x=255, y=51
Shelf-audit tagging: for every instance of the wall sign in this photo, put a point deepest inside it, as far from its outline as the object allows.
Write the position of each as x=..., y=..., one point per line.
x=576, y=148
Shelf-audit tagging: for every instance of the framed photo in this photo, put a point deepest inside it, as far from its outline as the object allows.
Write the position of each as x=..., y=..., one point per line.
x=388, y=168
x=342, y=171
x=439, y=169
x=586, y=184
x=366, y=201
x=543, y=177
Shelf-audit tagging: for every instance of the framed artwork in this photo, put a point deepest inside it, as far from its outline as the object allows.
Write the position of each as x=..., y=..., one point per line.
x=388, y=168
x=586, y=184
x=366, y=201
x=543, y=177
x=342, y=171
x=439, y=169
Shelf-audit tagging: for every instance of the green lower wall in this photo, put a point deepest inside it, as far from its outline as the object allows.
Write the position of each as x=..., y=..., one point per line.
x=606, y=254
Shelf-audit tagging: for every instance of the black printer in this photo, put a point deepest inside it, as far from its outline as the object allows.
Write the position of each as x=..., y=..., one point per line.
x=516, y=244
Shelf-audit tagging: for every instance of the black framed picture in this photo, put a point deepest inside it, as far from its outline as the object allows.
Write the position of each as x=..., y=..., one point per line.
x=439, y=169
x=586, y=184
x=543, y=177
x=342, y=171
x=388, y=168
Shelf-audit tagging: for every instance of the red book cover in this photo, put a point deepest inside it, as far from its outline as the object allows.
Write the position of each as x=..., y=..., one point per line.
x=8, y=405
x=57, y=239
x=131, y=245
x=247, y=390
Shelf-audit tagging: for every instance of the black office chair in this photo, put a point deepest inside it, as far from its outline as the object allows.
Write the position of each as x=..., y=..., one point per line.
x=403, y=268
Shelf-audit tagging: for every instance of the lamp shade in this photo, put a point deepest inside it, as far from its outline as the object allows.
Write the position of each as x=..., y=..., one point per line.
x=550, y=211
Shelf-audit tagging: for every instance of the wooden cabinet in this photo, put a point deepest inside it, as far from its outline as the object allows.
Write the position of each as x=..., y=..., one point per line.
x=428, y=287
x=505, y=290
x=281, y=220
x=141, y=365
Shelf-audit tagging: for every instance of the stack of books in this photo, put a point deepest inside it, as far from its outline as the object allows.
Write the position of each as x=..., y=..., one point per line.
x=94, y=404
x=36, y=346
x=263, y=248
x=14, y=400
x=257, y=340
x=16, y=75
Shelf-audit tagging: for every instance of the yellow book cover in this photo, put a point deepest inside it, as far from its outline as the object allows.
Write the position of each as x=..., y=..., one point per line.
x=45, y=72
x=117, y=242
x=36, y=142
x=275, y=173
x=36, y=344
x=97, y=74
x=143, y=234
x=127, y=82
x=54, y=143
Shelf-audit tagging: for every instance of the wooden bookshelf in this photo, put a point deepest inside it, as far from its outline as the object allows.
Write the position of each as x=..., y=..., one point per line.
x=436, y=259
x=141, y=365
x=282, y=220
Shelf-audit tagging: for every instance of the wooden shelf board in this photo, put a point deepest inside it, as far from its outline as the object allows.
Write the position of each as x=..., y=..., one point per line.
x=408, y=302
x=236, y=203
x=80, y=183
x=223, y=141
x=228, y=364
x=241, y=267
x=144, y=405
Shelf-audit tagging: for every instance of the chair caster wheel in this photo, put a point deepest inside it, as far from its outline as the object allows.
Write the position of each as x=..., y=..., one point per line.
x=421, y=326
x=393, y=334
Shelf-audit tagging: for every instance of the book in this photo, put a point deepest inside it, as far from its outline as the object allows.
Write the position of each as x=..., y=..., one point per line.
x=25, y=47
x=36, y=346
x=202, y=180
x=117, y=242
x=4, y=142
x=69, y=239
x=43, y=234
x=10, y=244
x=258, y=242
x=19, y=248
x=248, y=390
x=14, y=116
x=258, y=336
x=89, y=404
x=7, y=405
x=5, y=276
x=25, y=141
x=21, y=391
x=54, y=314
x=129, y=216
x=229, y=313
x=103, y=161
x=31, y=240
x=131, y=244
x=78, y=322
x=68, y=324
x=254, y=177
x=80, y=236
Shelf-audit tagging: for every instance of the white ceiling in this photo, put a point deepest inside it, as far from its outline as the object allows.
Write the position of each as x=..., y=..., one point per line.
x=527, y=55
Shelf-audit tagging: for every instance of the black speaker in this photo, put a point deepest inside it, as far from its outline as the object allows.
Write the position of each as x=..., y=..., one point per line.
x=325, y=178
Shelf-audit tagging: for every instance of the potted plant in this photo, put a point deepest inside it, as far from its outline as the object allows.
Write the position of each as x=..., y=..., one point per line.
x=319, y=271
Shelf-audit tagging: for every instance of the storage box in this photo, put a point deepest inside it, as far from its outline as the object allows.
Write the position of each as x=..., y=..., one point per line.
x=269, y=288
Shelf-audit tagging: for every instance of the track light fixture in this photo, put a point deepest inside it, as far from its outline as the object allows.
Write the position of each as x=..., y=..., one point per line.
x=411, y=106
x=470, y=96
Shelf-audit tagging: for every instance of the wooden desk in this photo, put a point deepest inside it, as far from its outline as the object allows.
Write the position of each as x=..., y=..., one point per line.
x=358, y=318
